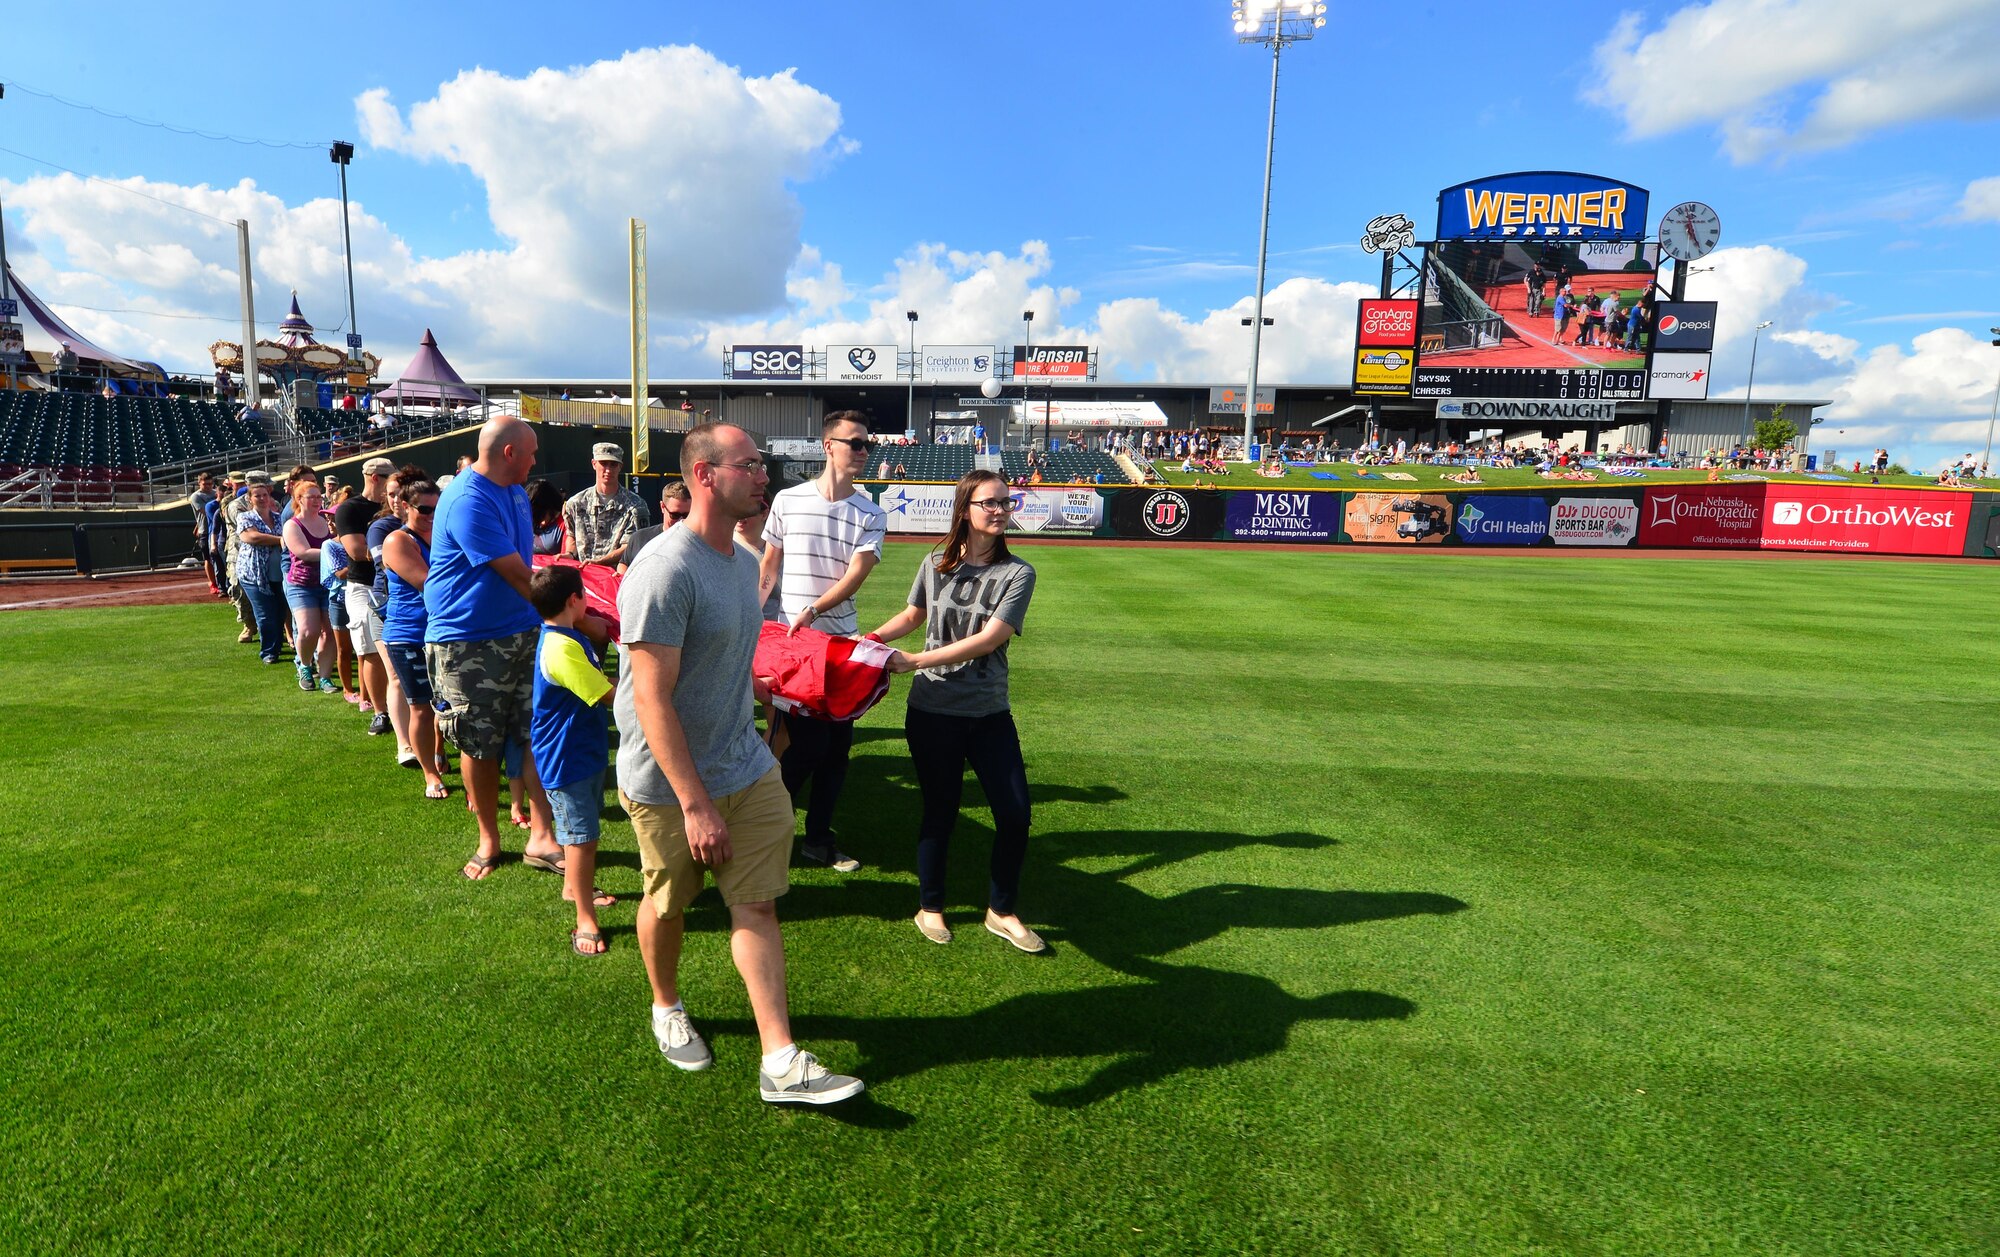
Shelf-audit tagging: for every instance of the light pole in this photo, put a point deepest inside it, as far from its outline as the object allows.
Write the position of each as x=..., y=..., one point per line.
x=1027, y=343
x=1986, y=463
x=1751, y=388
x=1274, y=23
x=342, y=153
x=911, y=422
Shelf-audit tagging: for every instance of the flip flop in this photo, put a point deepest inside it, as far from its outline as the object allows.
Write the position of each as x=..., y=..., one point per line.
x=598, y=898
x=437, y=790
x=484, y=863
x=543, y=863
x=579, y=937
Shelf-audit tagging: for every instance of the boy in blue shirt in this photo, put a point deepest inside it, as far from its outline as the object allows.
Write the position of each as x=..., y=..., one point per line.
x=568, y=737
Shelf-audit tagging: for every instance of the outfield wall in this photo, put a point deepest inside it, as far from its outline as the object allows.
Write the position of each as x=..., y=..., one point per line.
x=1808, y=518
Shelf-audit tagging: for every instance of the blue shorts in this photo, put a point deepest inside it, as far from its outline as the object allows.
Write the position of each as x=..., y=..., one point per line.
x=305, y=597
x=576, y=807
x=407, y=659
x=336, y=613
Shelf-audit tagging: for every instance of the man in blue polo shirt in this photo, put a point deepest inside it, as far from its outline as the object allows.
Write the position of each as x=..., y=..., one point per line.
x=480, y=641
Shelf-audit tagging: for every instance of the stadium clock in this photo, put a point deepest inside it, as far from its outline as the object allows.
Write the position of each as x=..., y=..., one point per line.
x=1689, y=231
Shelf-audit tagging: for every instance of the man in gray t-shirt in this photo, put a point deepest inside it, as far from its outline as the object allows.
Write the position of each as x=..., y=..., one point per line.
x=705, y=796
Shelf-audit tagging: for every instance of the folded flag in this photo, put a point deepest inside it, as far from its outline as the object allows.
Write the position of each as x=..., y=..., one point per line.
x=819, y=676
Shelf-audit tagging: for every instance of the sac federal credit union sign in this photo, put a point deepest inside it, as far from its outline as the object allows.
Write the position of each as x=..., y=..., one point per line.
x=1542, y=205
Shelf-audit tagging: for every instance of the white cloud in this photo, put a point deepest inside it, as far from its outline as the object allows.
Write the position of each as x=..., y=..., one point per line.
x=1831, y=346
x=1781, y=74
x=1981, y=202
x=1946, y=371
x=1754, y=284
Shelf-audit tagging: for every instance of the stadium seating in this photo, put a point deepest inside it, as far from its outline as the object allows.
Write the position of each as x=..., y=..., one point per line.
x=1065, y=466
x=922, y=462
x=115, y=438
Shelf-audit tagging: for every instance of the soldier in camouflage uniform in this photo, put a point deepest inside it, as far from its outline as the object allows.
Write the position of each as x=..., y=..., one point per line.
x=599, y=522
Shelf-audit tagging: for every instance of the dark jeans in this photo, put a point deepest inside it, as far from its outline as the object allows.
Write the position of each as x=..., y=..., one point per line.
x=940, y=748
x=818, y=750
x=267, y=605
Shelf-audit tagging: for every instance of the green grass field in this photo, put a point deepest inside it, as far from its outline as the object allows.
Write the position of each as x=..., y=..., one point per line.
x=1414, y=903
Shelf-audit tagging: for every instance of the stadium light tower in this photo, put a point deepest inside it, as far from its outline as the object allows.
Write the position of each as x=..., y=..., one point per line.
x=342, y=153
x=1273, y=23
x=1986, y=463
x=911, y=315
x=1751, y=387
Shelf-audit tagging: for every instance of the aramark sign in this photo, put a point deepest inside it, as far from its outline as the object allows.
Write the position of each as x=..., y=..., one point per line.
x=1503, y=410
x=1541, y=205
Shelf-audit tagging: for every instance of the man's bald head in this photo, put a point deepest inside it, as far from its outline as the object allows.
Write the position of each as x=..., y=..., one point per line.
x=506, y=450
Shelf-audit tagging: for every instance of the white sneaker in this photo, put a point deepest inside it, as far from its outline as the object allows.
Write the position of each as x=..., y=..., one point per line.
x=807, y=1082
x=678, y=1041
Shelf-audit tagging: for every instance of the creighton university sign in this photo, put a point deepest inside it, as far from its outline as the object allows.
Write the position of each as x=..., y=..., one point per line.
x=1542, y=205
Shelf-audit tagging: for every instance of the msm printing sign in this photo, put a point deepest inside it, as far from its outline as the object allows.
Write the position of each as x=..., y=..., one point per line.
x=1542, y=205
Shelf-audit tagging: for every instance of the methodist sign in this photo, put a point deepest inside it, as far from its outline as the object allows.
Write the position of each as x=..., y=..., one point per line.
x=1542, y=205
x=955, y=364
x=767, y=362
x=1052, y=362
x=861, y=364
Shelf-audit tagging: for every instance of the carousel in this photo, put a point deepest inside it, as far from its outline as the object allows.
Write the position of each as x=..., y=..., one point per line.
x=294, y=356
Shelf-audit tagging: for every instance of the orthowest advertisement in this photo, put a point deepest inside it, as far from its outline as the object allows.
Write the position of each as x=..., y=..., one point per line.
x=1832, y=519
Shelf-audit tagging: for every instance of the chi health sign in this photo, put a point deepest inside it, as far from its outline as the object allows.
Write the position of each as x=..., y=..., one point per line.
x=955, y=364
x=1594, y=521
x=861, y=364
x=1503, y=519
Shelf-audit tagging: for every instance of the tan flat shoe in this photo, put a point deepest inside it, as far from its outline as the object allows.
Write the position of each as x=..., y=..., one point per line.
x=1022, y=937
x=935, y=933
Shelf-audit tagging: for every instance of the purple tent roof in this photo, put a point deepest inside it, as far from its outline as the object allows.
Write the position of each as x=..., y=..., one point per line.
x=63, y=334
x=430, y=378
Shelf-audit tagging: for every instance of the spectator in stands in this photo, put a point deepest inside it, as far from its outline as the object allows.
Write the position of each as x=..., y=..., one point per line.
x=836, y=533
x=674, y=506
x=600, y=520
x=480, y=639
x=406, y=555
x=260, y=539
x=304, y=534
x=971, y=596
x=364, y=622
x=545, y=506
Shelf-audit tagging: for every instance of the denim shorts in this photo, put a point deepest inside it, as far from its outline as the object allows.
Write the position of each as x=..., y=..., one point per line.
x=336, y=613
x=305, y=597
x=576, y=807
x=407, y=658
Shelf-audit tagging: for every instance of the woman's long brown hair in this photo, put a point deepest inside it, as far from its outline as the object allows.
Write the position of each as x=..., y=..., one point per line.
x=958, y=538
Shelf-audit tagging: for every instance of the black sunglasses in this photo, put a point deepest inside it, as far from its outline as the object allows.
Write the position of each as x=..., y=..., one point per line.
x=860, y=444
x=426, y=510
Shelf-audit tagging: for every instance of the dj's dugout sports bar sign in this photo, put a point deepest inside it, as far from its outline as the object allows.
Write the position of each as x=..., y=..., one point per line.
x=1816, y=518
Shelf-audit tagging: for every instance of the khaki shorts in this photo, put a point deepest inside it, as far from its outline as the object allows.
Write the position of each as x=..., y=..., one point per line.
x=759, y=868
x=363, y=624
x=488, y=687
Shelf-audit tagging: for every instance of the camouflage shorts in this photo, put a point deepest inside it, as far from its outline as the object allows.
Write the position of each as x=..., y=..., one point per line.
x=485, y=692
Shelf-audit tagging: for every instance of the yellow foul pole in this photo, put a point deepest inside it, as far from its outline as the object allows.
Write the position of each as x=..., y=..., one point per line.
x=641, y=450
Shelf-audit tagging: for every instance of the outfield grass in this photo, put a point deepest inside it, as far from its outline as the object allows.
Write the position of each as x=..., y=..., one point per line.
x=1400, y=903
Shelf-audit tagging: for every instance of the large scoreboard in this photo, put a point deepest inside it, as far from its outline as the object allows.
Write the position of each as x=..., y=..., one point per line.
x=1538, y=383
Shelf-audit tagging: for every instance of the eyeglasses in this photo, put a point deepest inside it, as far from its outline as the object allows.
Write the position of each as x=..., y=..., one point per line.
x=1002, y=505
x=426, y=510
x=751, y=465
x=677, y=514
x=859, y=444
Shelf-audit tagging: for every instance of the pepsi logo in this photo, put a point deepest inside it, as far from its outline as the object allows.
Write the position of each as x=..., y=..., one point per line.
x=1667, y=325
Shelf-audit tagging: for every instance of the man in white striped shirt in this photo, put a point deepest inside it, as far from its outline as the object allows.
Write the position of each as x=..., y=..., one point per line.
x=821, y=541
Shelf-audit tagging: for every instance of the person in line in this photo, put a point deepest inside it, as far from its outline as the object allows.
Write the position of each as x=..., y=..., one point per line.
x=259, y=541
x=569, y=740
x=199, y=500
x=599, y=521
x=701, y=788
x=232, y=511
x=379, y=531
x=406, y=558
x=364, y=624
x=545, y=505
x=481, y=634
x=822, y=538
x=674, y=506
x=304, y=533
x=971, y=595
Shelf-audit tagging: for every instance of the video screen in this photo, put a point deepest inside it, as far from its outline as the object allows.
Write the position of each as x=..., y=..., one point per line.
x=1537, y=303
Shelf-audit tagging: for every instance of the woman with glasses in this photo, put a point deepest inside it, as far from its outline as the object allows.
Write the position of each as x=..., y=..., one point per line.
x=259, y=539
x=406, y=554
x=971, y=595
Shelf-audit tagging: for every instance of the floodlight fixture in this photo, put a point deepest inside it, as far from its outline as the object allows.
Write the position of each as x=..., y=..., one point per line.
x=342, y=153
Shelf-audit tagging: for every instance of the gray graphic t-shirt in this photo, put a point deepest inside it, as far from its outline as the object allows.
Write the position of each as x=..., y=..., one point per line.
x=680, y=592
x=957, y=606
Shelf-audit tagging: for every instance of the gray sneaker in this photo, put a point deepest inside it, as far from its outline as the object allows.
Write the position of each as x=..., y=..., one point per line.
x=678, y=1041
x=807, y=1082
x=828, y=856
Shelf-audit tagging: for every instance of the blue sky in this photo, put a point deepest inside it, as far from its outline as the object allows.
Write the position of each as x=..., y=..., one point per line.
x=810, y=171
